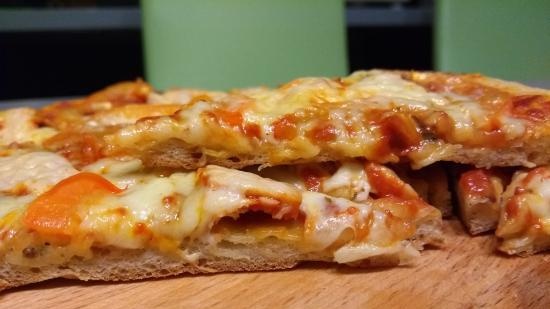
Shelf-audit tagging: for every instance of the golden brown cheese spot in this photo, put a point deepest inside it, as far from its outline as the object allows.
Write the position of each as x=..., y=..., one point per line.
x=70, y=114
x=79, y=148
x=19, y=190
x=227, y=117
x=477, y=183
x=122, y=93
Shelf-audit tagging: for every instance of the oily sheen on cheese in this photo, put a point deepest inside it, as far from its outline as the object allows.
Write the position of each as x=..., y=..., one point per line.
x=162, y=213
x=382, y=116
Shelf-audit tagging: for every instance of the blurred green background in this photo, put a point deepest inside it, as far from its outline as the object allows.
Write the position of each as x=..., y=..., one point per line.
x=505, y=38
x=238, y=43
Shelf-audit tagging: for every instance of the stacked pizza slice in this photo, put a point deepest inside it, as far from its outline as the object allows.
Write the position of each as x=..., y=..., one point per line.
x=130, y=183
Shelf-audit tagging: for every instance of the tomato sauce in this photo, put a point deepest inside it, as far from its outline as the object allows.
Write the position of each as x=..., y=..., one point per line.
x=285, y=128
x=477, y=183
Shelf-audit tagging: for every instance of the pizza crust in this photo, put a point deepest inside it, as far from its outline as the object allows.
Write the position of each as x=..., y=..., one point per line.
x=175, y=154
x=115, y=264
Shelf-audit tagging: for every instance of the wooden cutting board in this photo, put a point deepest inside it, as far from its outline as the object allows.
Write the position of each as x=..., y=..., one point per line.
x=467, y=274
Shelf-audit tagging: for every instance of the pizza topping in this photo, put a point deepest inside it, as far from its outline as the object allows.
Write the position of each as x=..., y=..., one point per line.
x=79, y=148
x=378, y=115
x=230, y=118
x=385, y=183
x=54, y=211
x=349, y=181
x=36, y=172
x=477, y=183
x=17, y=125
x=122, y=93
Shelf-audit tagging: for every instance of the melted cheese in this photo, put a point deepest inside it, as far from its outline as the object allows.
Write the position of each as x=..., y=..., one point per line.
x=350, y=177
x=33, y=172
x=325, y=226
x=161, y=212
x=128, y=114
x=380, y=84
x=12, y=203
x=349, y=181
x=124, y=172
x=17, y=126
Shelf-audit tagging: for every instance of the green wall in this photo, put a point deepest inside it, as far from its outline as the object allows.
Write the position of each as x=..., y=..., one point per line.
x=238, y=43
x=503, y=38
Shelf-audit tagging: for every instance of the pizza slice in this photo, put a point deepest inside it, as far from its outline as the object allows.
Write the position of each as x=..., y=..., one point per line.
x=524, y=224
x=479, y=193
x=117, y=220
x=382, y=116
x=517, y=207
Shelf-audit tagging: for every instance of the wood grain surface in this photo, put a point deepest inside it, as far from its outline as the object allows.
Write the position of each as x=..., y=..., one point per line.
x=466, y=274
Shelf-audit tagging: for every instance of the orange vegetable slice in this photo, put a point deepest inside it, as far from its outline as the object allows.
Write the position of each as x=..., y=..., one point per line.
x=54, y=212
